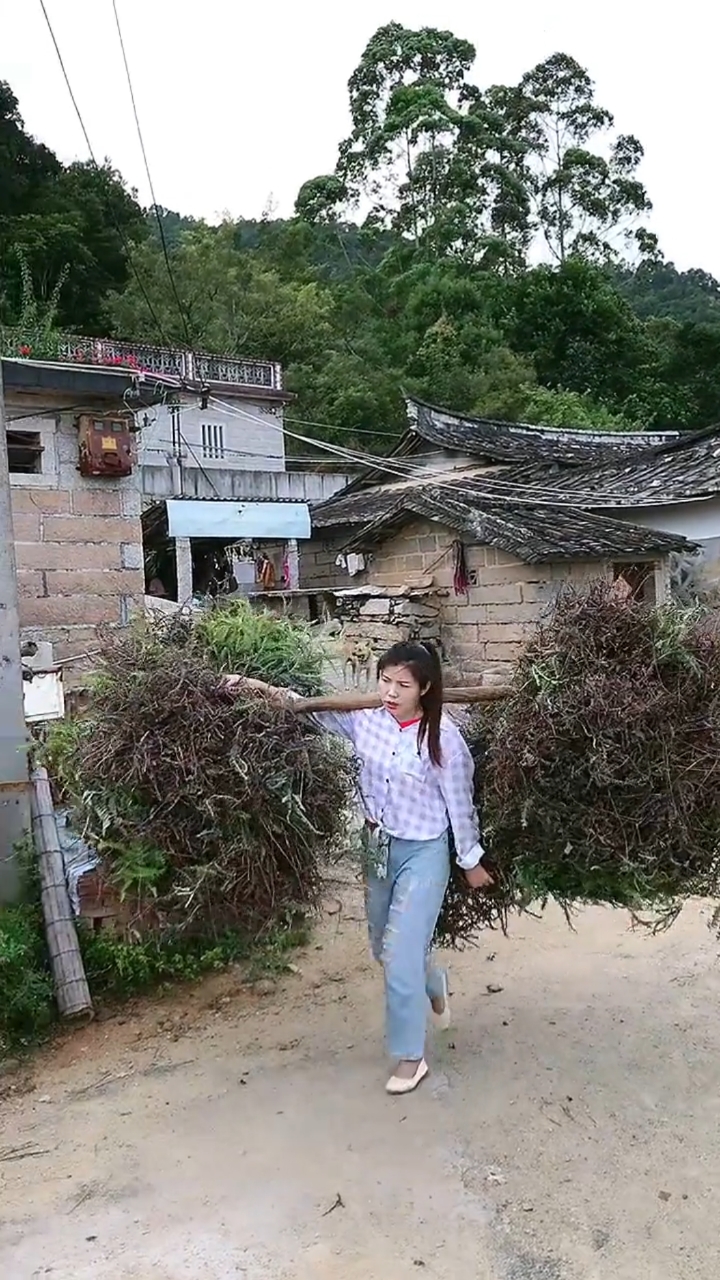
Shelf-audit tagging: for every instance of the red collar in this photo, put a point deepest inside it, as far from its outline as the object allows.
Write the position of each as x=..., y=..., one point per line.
x=405, y=724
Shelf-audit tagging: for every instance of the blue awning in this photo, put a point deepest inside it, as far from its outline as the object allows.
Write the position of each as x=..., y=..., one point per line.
x=207, y=519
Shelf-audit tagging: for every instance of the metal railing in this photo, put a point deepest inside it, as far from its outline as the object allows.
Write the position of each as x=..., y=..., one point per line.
x=174, y=362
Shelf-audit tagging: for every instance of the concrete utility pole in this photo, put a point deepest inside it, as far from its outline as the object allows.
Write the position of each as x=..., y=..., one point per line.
x=15, y=817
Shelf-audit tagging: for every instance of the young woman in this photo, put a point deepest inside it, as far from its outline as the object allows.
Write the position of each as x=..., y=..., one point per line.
x=416, y=782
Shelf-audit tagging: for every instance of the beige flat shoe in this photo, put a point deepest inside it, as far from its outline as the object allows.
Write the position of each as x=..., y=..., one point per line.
x=396, y=1085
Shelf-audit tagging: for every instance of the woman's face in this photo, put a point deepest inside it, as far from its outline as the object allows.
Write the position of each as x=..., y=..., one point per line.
x=400, y=693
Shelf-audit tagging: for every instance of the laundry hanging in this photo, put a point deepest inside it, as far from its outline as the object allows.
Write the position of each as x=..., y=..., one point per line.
x=461, y=577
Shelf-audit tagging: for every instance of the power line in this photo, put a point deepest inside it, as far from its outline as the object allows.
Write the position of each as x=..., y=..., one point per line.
x=156, y=211
x=488, y=487
x=193, y=454
x=109, y=206
x=237, y=453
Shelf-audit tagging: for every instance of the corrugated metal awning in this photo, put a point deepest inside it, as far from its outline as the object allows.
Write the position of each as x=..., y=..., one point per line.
x=207, y=519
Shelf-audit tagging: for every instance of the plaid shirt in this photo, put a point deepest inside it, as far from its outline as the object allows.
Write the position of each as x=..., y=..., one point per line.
x=402, y=790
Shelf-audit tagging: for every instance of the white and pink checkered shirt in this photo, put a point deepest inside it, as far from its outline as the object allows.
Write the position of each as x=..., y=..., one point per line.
x=402, y=790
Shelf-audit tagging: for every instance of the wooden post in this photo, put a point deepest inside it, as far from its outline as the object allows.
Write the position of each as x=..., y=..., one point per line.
x=366, y=701
x=184, y=570
x=14, y=780
x=71, y=988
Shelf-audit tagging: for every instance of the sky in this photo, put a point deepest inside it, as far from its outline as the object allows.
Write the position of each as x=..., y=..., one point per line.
x=241, y=103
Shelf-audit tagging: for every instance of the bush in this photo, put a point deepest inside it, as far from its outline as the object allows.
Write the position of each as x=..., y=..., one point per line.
x=27, y=1008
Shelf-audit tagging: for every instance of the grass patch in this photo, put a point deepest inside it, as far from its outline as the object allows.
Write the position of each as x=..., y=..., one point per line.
x=117, y=969
x=27, y=1005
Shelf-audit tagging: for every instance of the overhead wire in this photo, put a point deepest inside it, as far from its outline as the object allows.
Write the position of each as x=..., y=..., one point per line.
x=118, y=227
x=483, y=486
x=235, y=453
x=199, y=464
x=151, y=185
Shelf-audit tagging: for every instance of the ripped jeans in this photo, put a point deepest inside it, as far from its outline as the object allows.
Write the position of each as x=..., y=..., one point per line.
x=402, y=910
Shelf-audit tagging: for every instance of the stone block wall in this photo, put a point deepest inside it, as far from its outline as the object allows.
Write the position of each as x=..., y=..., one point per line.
x=78, y=546
x=384, y=620
x=487, y=628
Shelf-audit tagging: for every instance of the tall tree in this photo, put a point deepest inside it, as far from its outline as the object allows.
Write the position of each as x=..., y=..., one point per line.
x=405, y=106
x=585, y=201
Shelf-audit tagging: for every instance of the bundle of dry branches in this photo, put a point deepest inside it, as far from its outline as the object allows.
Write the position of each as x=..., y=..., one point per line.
x=221, y=808
x=600, y=776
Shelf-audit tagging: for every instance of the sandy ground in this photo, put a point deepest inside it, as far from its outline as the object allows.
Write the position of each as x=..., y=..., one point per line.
x=569, y=1130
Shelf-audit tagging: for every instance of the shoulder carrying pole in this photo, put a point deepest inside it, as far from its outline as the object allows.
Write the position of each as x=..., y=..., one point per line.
x=366, y=701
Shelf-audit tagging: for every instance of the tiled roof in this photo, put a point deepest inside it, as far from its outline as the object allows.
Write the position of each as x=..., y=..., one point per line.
x=518, y=442
x=536, y=534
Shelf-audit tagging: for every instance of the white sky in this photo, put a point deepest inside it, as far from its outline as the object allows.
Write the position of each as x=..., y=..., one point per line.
x=242, y=102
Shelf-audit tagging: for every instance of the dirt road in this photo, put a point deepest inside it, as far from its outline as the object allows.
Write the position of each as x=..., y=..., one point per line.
x=570, y=1130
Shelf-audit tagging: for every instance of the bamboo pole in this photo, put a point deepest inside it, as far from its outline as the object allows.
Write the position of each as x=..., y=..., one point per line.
x=71, y=987
x=366, y=701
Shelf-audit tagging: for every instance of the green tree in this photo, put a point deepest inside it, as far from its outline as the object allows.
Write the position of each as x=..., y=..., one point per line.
x=405, y=106
x=658, y=289
x=580, y=334
x=55, y=216
x=585, y=201
x=544, y=407
x=231, y=301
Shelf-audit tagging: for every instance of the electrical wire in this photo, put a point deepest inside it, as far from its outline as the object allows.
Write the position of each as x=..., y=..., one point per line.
x=199, y=464
x=43, y=410
x=234, y=453
x=108, y=202
x=492, y=488
x=143, y=149
x=353, y=431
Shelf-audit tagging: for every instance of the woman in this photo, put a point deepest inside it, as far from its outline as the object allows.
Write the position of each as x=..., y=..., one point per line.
x=416, y=782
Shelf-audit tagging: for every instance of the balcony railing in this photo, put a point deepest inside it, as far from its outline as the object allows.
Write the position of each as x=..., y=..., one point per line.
x=174, y=362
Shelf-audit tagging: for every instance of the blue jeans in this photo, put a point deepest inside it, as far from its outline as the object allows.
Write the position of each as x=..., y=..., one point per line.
x=402, y=911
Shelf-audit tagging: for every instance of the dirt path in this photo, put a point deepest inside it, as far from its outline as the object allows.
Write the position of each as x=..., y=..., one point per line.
x=570, y=1130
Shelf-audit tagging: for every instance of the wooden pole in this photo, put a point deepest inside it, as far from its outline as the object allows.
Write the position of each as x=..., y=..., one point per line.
x=14, y=779
x=366, y=701
x=71, y=987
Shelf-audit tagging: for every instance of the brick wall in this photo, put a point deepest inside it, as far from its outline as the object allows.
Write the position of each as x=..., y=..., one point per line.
x=78, y=544
x=489, y=627
x=317, y=564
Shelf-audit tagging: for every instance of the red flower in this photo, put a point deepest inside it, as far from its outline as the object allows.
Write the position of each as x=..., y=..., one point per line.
x=25, y=350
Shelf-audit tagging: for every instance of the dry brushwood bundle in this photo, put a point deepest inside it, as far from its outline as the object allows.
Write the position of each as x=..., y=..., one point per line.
x=600, y=775
x=221, y=809
x=467, y=913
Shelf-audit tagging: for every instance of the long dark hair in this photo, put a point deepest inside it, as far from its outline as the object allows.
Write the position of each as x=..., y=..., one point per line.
x=423, y=662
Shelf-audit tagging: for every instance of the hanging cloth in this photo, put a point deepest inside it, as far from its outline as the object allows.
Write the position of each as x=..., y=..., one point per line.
x=461, y=577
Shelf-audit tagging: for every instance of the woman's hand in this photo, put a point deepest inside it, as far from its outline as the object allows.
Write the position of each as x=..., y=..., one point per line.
x=478, y=878
x=235, y=683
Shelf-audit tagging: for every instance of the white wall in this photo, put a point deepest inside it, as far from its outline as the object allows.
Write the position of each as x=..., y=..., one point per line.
x=159, y=480
x=699, y=521
x=251, y=442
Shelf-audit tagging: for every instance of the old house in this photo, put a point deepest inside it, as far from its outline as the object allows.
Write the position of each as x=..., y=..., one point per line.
x=204, y=428
x=470, y=528
x=76, y=497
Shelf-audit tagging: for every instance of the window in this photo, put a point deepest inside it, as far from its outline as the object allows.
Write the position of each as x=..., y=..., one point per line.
x=213, y=440
x=638, y=579
x=25, y=452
